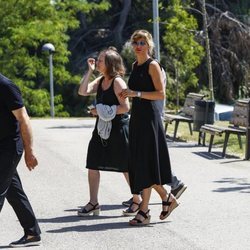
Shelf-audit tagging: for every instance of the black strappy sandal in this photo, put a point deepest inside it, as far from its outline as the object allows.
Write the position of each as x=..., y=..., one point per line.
x=130, y=211
x=137, y=222
x=171, y=206
x=95, y=210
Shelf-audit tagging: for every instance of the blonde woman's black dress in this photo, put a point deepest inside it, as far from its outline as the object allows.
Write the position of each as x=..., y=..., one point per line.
x=110, y=154
x=149, y=161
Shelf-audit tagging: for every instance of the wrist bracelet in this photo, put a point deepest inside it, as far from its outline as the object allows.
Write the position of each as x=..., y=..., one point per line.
x=139, y=94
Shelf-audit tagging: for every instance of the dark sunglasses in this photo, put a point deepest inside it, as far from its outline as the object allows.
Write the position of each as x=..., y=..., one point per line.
x=140, y=43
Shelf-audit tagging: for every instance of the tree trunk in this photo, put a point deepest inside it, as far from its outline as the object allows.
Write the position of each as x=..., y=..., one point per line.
x=122, y=21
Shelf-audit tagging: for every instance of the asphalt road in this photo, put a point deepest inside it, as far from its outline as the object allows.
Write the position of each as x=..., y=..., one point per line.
x=214, y=212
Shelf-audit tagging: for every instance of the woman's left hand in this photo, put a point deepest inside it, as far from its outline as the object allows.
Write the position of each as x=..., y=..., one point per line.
x=127, y=93
x=93, y=111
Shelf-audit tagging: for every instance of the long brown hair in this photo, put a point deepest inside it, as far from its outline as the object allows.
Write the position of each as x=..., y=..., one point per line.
x=113, y=62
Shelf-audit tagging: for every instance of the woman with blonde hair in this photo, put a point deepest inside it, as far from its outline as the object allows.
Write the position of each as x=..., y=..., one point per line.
x=149, y=163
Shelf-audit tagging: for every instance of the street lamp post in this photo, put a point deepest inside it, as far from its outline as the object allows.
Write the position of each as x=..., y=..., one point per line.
x=50, y=48
x=156, y=29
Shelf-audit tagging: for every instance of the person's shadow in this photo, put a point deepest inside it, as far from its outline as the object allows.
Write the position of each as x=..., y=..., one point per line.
x=100, y=227
x=91, y=228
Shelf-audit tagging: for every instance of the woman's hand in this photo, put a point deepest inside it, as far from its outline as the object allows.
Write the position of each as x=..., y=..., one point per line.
x=127, y=93
x=91, y=64
x=93, y=112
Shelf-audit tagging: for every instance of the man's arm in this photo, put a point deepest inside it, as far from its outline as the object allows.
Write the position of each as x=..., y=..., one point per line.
x=26, y=133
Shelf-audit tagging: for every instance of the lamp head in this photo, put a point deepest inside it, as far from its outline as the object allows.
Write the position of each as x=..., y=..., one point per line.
x=48, y=47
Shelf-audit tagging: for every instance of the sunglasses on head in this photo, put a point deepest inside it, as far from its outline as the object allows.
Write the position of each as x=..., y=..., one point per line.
x=140, y=43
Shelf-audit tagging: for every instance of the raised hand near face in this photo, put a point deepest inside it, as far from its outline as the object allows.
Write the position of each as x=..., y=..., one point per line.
x=91, y=63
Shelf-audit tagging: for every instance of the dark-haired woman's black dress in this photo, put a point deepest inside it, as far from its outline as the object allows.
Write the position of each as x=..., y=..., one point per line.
x=110, y=154
x=149, y=161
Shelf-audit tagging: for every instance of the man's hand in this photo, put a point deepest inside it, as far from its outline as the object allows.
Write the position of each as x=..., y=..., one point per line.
x=26, y=133
x=30, y=160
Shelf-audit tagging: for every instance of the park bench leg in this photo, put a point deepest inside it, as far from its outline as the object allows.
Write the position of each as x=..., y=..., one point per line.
x=225, y=143
x=247, y=152
x=239, y=139
x=166, y=127
x=202, y=135
x=199, y=138
x=204, y=139
x=190, y=128
x=175, y=129
x=210, y=143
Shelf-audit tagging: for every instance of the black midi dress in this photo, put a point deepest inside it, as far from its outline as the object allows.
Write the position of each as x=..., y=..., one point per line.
x=110, y=154
x=149, y=161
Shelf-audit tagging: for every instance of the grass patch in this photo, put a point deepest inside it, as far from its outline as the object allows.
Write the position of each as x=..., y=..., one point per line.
x=233, y=147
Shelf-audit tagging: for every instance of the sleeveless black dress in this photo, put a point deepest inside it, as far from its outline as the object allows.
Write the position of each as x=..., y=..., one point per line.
x=111, y=154
x=149, y=161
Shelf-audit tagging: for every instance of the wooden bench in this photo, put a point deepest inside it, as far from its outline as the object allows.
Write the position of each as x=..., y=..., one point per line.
x=238, y=125
x=185, y=115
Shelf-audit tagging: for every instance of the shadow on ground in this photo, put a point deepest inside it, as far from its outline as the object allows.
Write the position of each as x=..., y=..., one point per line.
x=183, y=145
x=215, y=155
x=71, y=127
x=235, y=185
x=99, y=227
x=74, y=218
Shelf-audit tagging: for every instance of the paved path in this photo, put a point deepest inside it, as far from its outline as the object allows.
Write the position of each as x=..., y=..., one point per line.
x=214, y=212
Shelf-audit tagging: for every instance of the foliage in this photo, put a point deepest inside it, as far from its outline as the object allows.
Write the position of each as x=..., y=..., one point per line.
x=80, y=29
x=24, y=27
x=229, y=42
x=184, y=53
x=128, y=55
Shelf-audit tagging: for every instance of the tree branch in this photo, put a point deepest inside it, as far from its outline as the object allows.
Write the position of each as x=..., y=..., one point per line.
x=122, y=20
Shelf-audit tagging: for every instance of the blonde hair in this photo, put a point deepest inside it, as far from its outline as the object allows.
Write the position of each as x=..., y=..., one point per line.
x=143, y=34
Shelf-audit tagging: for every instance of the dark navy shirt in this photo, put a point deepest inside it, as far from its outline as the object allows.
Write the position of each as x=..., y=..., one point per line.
x=10, y=99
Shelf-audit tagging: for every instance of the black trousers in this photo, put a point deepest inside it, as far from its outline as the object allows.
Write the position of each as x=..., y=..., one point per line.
x=11, y=189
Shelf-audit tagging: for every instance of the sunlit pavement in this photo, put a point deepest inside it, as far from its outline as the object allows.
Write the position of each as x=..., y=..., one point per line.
x=214, y=211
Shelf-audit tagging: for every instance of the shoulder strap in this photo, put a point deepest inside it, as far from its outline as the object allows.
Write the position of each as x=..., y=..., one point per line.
x=158, y=63
x=149, y=60
x=134, y=64
x=112, y=84
x=100, y=83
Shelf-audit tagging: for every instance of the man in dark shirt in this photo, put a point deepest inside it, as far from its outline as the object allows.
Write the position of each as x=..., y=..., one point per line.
x=16, y=137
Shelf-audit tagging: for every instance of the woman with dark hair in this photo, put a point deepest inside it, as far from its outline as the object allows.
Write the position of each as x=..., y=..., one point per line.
x=149, y=163
x=108, y=147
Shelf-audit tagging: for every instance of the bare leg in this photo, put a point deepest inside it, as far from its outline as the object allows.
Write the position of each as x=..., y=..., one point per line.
x=146, y=193
x=136, y=197
x=169, y=202
x=126, y=177
x=94, y=181
x=161, y=191
x=92, y=207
